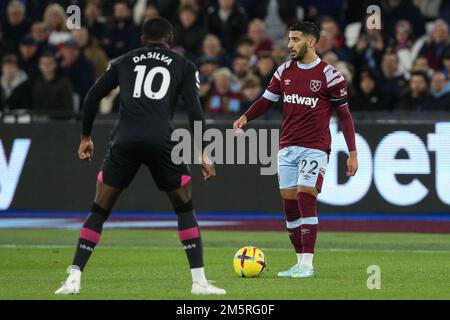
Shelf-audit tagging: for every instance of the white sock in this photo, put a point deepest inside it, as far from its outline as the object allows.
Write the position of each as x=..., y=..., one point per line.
x=198, y=275
x=299, y=258
x=307, y=260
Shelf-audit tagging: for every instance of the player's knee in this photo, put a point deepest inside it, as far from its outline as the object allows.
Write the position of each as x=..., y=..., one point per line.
x=310, y=190
x=288, y=194
x=186, y=207
x=180, y=196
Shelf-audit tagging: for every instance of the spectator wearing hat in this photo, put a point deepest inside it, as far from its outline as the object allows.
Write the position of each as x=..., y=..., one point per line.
x=417, y=97
x=16, y=25
x=78, y=69
x=223, y=99
x=29, y=56
x=52, y=92
x=122, y=34
x=189, y=31
x=14, y=85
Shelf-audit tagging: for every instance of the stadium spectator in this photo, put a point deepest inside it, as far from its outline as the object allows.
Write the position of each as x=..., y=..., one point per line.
x=257, y=32
x=16, y=25
x=151, y=11
x=331, y=39
x=207, y=67
x=122, y=34
x=55, y=19
x=265, y=67
x=246, y=48
x=421, y=64
x=52, y=92
x=189, y=31
x=39, y=34
x=94, y=21
x=403, y=38
x=78, y=69
x=223, y=99
x=367, y=96
x=316, y=9
x=392, y=81
x=212, y=48
x=15, y=85
x=228, y=21
x=28, y=56
x=251, y=90
x=368, y=51
x=446, y=64
x=280, y=53
x=92, y=50
x=394, y=10
x=241, y=69
x=440, y=90
x=417, y=97
x=439, y=42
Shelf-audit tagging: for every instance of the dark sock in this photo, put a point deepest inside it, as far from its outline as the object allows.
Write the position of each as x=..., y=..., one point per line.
x=307, y=204
x=90, y=235
x=189, y=234
x=292, y=212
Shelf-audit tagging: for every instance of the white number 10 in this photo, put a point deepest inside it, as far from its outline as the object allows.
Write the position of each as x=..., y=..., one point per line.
x=149, y=93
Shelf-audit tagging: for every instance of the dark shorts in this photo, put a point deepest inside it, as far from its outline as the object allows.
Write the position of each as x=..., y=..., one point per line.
x=123, y=160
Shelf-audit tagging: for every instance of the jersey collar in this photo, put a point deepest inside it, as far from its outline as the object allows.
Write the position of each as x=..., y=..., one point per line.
x=309, y=65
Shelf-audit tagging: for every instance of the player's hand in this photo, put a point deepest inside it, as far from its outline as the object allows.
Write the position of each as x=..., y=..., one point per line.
x=86, y=149
x=208, y=169
x=352, y=164
x=239, y=124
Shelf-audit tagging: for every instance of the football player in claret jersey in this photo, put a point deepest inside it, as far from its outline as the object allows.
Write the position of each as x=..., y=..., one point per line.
x=310, y=90
x=151, y=78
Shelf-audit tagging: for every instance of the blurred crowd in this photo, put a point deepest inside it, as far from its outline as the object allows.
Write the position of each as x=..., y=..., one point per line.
x=47, y=67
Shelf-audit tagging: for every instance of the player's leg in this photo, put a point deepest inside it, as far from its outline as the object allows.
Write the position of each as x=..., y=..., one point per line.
x=312, y=170
x=288, y=177
x=175, y=181
x=91, y=230
x=119, y=168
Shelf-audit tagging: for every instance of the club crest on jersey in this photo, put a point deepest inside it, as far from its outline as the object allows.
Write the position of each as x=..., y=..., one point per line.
x=315, y=85
x=287, y=82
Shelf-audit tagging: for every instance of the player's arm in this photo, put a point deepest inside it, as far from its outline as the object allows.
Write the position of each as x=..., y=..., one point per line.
x=107, y=82
x=339, y=101
x=260, y=106
x=190, y=95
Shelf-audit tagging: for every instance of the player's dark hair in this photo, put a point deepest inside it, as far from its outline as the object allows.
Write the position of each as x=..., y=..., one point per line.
x=157, y=30
x=308, y=28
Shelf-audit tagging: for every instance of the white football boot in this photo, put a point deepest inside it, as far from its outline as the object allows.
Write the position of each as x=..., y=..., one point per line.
x=72, y=284
x=206, y=289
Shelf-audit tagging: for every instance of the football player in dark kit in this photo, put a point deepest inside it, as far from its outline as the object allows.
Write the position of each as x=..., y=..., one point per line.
x=151, y=79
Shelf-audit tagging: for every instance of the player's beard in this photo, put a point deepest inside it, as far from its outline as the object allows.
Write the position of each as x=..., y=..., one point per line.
x=301, y=54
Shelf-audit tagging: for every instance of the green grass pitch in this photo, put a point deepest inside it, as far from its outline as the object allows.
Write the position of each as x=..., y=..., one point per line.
x=151, y=264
